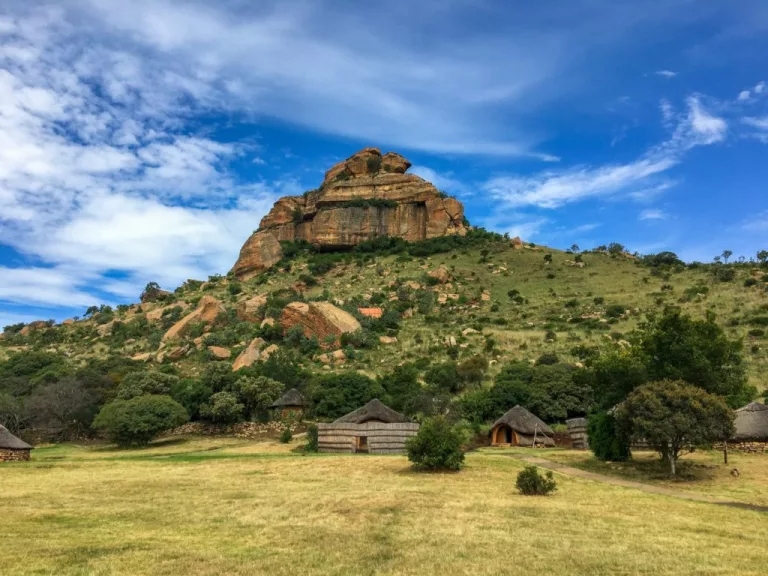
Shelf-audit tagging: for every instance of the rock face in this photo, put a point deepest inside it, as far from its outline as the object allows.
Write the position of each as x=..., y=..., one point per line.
x=248, y=310
x=208, y=309
x=321, y=319
x=248, y=356
x=366, y=196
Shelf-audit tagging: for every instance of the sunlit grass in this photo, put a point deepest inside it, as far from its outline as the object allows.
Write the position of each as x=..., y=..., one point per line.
x=227, y=506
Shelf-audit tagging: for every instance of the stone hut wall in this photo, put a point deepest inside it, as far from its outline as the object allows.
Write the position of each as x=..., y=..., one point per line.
x=13, y=455
x=381, y=438
x=577, y=430
x=755, y=446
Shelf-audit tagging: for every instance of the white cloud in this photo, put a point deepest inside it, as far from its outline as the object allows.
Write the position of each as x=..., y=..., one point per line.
x=652, y=214
x=756, y=224
x=707, y=127
x=667, y=111
x=759, y=123
x=638, y=179
x=42, y=286
x=442, y=181
x=666, y=73
x=744, y=95
x=760, y=88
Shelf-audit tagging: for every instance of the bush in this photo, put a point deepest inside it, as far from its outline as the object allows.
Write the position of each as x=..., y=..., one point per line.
x=223, y=408
x=312, y=438
x=531, y=483
x=286, y=435
x=436, y=446
x=606, y=440
x=139, y=420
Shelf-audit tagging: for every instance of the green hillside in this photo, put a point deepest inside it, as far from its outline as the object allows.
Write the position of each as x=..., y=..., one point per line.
x=537, y=301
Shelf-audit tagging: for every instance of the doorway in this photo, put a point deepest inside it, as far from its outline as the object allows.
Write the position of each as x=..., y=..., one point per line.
x=361, y=444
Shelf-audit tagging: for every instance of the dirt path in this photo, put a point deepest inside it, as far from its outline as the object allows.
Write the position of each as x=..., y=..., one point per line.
x=649, y=488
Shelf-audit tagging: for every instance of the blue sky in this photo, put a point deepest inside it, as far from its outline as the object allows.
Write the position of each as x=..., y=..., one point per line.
x=143, y=141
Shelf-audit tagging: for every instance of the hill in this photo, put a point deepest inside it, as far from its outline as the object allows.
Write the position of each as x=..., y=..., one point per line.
x=467, y=295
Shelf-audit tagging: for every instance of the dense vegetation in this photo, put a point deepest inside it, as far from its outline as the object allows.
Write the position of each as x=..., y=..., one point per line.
x=564, y=334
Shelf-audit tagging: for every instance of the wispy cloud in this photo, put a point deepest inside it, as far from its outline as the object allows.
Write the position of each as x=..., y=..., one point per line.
x=759, y=123
x=652, y=214
x=666, y=73
x=551, y=189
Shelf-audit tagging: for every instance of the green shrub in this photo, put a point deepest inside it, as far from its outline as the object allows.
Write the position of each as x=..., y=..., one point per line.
x=749, y=282
x=615, y=310
x=531, y=483
x=139, y=420
x=312, y=438
x=286, y=435
x=606, y=440
x=436, y=446
x=223, y=408
x=757, y=332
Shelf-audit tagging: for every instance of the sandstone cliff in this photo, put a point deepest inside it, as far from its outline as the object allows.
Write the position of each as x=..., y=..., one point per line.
x=364, y=197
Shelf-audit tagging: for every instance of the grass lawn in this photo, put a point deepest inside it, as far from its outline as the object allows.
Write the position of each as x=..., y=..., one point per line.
x=228, y=506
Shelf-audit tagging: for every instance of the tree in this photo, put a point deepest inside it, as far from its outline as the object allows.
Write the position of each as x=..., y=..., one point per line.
x=335, y=395
x=12, y=413
x=677, y=347
x=436, y=446
x=608, y=441
x=575, y=248
x=66, y=408
x=404, y=392
x=472, y=370
x=726, y=254
x=223, y=408
x=444, y=378
x=146, y=383
x=674, y=418
x=548, y=258
x=762, y=256
x=139, y=420
x=612, y=376
x=257, y=393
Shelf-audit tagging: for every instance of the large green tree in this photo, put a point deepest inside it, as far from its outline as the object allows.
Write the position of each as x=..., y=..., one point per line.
x=674, y=418
x=140, y=419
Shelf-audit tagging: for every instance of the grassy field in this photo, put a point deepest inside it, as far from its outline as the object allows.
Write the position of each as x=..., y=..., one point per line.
x=227, y=506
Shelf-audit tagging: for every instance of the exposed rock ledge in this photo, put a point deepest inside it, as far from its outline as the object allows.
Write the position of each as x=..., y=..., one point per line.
x=364, y=197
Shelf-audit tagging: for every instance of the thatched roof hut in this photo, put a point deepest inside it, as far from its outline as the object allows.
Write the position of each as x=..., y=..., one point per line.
x=12, y=448
x=751, y=423
x=518, y=427
x=291, y=403
x=375, y=428
x=374, y=411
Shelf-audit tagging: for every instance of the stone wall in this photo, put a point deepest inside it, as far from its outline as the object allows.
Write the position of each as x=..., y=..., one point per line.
x=14, y=455
x=577, y=429
x=753, y=447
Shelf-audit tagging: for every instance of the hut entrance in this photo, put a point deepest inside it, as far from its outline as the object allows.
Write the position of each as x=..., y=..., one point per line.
x=361, y=444
x=502, y=435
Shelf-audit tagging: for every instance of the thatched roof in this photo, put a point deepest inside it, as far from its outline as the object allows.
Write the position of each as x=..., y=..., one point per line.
x=292, y=398
x=9, y=442
x=751, y=422
x=522, y=421
x=374, y=410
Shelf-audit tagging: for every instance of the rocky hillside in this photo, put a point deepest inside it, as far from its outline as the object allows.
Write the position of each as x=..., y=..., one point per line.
x=367, y=196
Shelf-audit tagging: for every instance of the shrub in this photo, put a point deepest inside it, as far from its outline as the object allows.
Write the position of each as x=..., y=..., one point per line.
x=757, y=332
x=615, y=310
x=286, y=435
x=139, y=420
x=606, y=440
x=531, y=483
x=548, y=358
x=749, y=282
x=436, y=446
x=223, y=408
x=312, y=438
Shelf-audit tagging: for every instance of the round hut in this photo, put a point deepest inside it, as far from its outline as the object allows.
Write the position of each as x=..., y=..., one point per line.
x=11, y=448
x=290, y=405
x=518, y=427
x=374, y=428
x=751, y=426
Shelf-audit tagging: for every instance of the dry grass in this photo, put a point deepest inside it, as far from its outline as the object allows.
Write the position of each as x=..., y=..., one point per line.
x=225, y=506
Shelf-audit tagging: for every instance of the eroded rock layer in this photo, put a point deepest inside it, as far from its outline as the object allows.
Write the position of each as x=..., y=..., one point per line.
x=364, y=197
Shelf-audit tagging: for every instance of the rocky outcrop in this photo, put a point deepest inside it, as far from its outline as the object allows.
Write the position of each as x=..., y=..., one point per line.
x=33, y=327
x=366, y=196
x=250, y=310
x=248, y=356
x=207, y=311
x=320, y=319
x=219, y=352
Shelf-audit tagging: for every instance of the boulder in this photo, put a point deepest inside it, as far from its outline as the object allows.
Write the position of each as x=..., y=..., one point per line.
x=485, y=296
x=250, y=310
x=268, y=351
x=153, y=294
x=516, y=243
x=260, y=252
x=104, y=330
x=338, y=356
x=207, y=311
x=68, y=322
x=468, y=331
x=220, y=352
x=173, y=354
x=156, y=314
x=441, y=274
x=143, y=357
x=267, y=322
x=250, y=355
x=32, y=327
x=361, y=198
x=388, y=339
x=320, y=319
x=450, y=341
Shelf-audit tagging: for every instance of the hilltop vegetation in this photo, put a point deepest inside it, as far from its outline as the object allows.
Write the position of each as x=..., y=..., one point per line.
x=461, y=318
